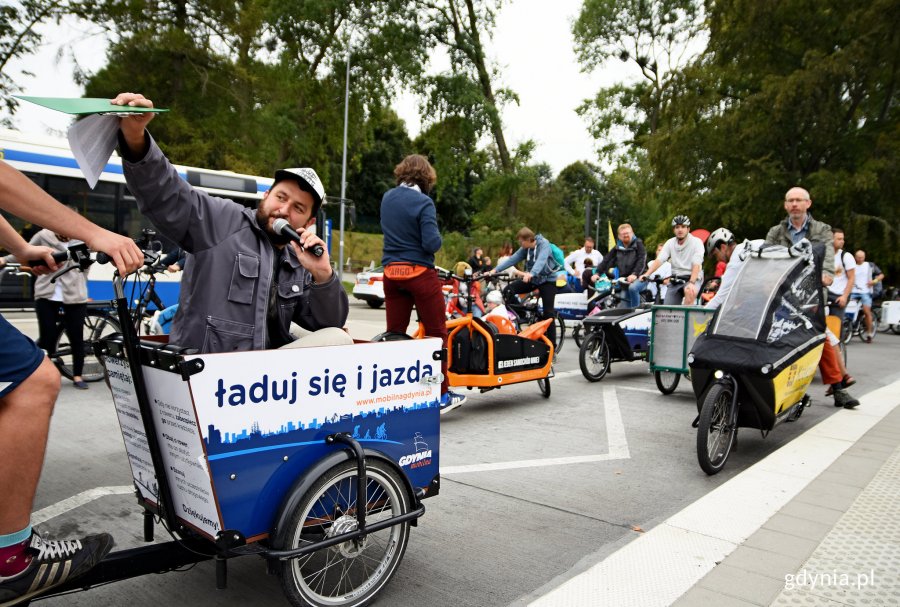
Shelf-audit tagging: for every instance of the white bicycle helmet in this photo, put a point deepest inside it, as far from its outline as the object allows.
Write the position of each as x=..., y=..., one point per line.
x=494, y=297
x=718, y=237
x=682, y=220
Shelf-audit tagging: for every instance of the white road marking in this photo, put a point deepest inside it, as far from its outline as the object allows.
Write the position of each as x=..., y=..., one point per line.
x=685, y=547
x=53, y=510
x=647, y=390
x=572, y=373
x=615, y=436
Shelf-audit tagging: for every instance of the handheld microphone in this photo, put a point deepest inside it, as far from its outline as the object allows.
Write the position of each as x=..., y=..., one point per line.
x=282, y=227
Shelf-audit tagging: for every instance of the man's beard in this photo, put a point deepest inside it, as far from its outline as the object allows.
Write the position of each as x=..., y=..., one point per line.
x=263, y=221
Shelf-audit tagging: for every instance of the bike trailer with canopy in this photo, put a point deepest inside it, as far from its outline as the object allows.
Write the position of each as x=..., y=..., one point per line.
x=768, y=334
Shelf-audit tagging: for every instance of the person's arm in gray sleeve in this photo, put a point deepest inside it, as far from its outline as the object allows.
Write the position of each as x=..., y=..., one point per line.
x=327, y=306
x=190, y=217
x=541, y=258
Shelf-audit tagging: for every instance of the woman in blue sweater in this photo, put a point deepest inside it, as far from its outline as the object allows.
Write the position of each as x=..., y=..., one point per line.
x=411, y=238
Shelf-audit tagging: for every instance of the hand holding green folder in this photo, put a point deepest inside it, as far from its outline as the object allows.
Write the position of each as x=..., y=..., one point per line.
x=82, y=106
x=93, y=138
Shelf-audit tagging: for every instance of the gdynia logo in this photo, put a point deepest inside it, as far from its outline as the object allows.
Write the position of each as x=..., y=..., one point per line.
x=422, y=458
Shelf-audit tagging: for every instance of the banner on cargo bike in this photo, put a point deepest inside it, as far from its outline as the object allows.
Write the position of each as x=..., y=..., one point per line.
x=237, y=435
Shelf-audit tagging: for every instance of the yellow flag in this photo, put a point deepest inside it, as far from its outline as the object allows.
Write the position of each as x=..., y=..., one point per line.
x=612, y=236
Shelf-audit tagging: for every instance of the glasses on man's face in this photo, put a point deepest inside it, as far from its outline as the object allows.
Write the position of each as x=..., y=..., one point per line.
x=796, y=199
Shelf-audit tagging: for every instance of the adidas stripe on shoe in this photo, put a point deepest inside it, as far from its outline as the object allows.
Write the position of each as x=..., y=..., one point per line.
x=53, y=562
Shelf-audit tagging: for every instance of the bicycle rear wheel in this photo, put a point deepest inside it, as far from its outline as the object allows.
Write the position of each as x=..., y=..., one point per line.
x=667, y=381
x=97, y=325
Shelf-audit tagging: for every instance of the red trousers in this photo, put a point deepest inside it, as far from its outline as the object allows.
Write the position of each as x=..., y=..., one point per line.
x=424, y=292
x=828, y=365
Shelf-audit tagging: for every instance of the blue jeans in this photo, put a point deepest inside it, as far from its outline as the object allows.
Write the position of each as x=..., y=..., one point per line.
x=634, y=293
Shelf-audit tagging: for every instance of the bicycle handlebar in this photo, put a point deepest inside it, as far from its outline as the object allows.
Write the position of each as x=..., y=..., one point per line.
x=58, y=257
x=674, y=281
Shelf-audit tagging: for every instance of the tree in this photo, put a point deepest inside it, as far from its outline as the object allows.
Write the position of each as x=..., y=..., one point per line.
x=19, y=38
x=655, y=36
x=255, y=84
x=451, y=145
x=791, y=93
x=469, y=89
x=386, y=143
x=580, y=187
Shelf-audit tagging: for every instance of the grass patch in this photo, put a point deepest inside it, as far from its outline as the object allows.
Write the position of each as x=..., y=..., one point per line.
x=360, y=250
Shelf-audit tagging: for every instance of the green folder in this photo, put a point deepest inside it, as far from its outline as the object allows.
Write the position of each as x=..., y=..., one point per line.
x=86, y=105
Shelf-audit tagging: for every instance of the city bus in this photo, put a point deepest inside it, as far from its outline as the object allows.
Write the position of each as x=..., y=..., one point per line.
x=49, y=162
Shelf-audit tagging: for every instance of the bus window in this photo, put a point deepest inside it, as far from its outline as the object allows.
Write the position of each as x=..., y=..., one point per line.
x=97, y=204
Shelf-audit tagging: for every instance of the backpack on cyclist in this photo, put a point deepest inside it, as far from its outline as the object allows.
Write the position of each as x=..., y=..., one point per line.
x=558, y=256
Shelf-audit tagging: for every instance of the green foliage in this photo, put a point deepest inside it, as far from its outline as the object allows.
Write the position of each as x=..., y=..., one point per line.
x=385, y=144
x=580, y=189
x=468, y=90
x=790, y=93
x=451, y=145
x=360, y=249
x=653, y=36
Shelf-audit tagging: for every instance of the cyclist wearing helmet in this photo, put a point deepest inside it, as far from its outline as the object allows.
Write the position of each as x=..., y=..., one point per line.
x=720, y=244
x=685, y=252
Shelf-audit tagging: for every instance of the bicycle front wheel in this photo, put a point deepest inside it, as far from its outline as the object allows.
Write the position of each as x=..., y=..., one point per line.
x=716, y=431
x=349, y=574
x=593, y=358
x=97, y=325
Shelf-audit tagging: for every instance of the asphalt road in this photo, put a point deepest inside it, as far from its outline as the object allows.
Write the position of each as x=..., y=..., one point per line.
x=495, y=535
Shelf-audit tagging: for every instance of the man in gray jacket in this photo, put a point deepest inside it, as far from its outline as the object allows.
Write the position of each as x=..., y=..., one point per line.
x=799, y=225
x=245, y=283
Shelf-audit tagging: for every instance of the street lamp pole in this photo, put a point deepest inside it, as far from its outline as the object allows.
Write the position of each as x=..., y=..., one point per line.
x=344, y=166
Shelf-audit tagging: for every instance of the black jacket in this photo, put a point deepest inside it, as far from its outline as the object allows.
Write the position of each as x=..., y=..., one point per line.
x=630, y=260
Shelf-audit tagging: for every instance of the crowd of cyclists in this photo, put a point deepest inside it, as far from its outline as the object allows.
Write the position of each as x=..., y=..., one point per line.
x=232, y=300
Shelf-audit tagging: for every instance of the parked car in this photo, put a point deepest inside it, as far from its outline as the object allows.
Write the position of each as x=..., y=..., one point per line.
x=369, y=287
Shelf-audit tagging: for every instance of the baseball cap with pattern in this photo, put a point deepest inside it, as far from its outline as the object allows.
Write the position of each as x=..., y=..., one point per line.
x=308, y=180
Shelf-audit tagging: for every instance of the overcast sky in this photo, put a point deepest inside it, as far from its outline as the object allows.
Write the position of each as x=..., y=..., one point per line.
x=532, y=45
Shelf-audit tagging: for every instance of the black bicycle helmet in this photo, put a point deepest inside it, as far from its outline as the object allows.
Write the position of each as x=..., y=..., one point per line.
x=682, y=220
x=718, y=237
